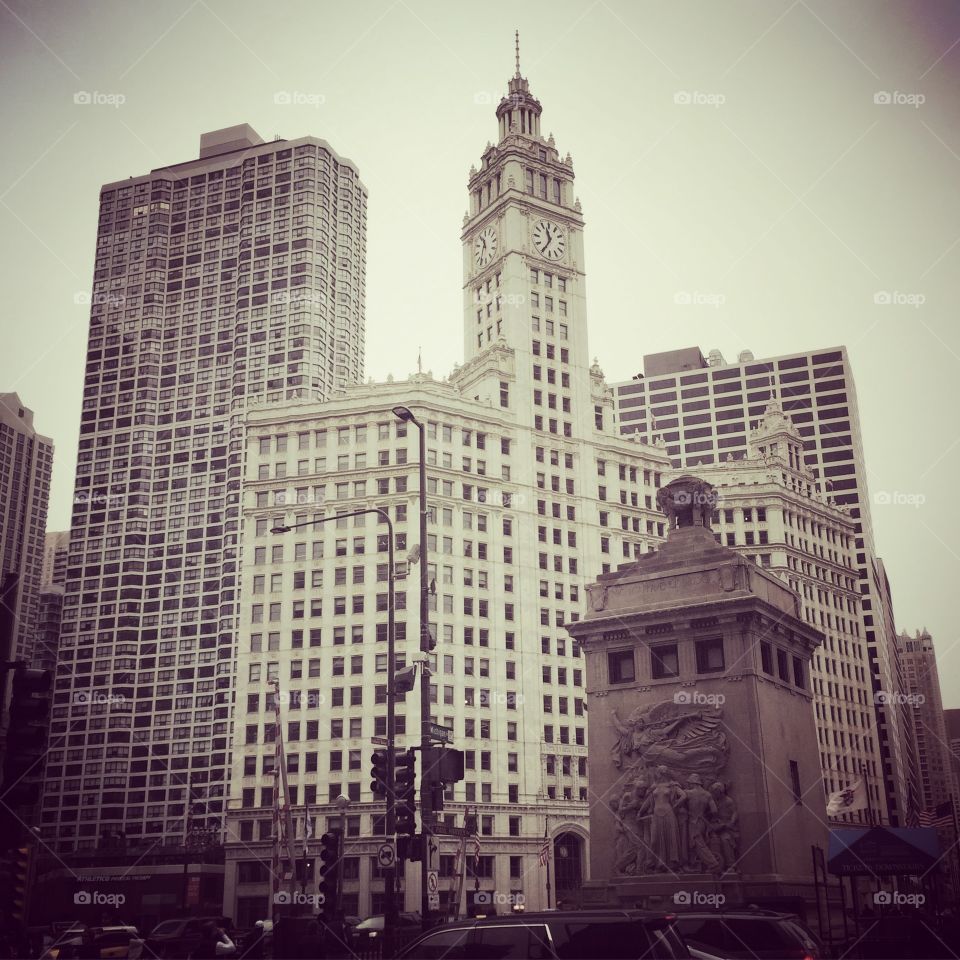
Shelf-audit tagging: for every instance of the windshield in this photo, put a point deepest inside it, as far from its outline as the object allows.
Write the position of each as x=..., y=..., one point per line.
x=168, y=926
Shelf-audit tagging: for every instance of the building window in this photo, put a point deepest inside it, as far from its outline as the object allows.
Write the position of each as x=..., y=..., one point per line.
x=710, y=655
x=795, y=782
x=620, y=665
x=766, y=658
x=664, y=661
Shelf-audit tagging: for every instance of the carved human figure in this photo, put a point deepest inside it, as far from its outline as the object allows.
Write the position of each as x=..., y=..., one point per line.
x=701, y=808
x=725, y=828
x=681, y=737
x=661, y=803
x=625, y=845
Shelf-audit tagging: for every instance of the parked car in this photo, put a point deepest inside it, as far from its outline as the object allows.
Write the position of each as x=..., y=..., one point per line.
x=747, y=935
x=372, y=928
x=611, y=934
x=176, y=939
x=110, y=943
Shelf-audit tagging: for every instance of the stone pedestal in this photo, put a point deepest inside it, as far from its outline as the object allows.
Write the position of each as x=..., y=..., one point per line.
x=704, y=765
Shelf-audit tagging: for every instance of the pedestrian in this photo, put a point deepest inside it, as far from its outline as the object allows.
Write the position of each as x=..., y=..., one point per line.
x=214, y=942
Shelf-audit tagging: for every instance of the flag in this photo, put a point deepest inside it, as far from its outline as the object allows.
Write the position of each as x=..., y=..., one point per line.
x=307, y=827
x=941, y=816
x=545, y=850
x=852, y=798
x=476, y=851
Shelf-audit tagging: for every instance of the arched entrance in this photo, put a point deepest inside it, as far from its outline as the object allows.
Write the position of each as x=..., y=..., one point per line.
x=568, y=864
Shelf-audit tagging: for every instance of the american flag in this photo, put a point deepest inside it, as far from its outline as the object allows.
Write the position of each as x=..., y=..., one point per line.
x=940, y=816
x=545, y=850
x=476, y=851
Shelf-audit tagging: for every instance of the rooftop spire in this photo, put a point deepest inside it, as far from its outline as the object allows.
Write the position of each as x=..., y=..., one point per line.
x=516, y=40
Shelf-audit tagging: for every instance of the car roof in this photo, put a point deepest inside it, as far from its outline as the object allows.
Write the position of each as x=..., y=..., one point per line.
x=739, y=914
x=569, y=916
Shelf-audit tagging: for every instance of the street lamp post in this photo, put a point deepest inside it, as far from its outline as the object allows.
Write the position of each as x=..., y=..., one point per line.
x=426, y=781
x=390, y=906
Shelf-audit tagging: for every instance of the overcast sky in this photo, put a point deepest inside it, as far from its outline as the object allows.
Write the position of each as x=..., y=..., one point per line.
x=734, y=152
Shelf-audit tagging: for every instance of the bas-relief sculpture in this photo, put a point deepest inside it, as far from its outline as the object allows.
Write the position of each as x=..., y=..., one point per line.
x=673, y=812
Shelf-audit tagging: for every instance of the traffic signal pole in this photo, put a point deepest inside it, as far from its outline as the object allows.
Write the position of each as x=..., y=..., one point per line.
x=426, y=782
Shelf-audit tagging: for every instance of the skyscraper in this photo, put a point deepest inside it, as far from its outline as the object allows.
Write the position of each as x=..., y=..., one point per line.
x=703, y=409
x=232, y=279
x=531, y=493
x=26, y=461
x=56, y=547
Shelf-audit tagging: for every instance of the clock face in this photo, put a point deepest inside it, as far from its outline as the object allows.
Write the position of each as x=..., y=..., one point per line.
x=485, y=246
x=549, y=239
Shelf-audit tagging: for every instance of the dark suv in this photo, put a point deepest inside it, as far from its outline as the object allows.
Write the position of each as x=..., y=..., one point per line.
x=748, y=934
x=575, y=935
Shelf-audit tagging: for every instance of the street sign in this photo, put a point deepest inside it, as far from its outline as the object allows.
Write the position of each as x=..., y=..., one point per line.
x=433, y=901
x=433, y=882
x=442, y=830
x=441, y=734
x=386, y=855
x=380, y=741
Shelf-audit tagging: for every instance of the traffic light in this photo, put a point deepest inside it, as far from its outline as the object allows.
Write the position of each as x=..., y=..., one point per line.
x=441, y=767
x=26, y=738
x=379, y=784
x=14, y=874
x=405, y=775
x=329, y=873
x=409, y=848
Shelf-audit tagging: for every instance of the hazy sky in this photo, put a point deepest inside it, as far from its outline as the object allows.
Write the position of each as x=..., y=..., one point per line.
x=735, y=152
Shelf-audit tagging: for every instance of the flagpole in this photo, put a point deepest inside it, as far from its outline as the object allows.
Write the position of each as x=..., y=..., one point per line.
x=866, y=786
x=546, y=846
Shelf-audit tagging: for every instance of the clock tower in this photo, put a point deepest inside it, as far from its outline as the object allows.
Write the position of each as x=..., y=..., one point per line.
x=523, y=271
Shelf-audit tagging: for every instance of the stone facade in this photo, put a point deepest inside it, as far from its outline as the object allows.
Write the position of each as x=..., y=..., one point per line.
x=704, y=762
